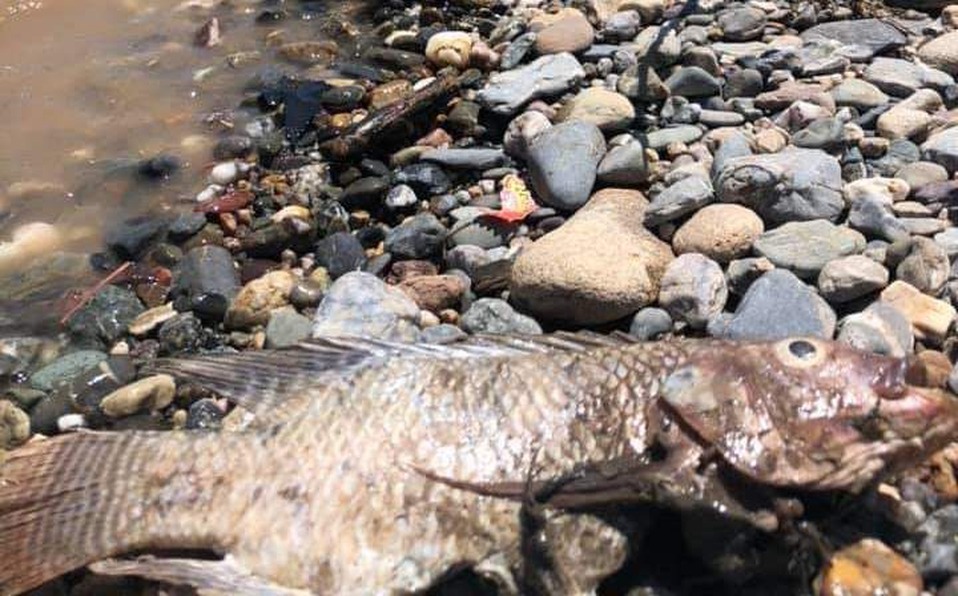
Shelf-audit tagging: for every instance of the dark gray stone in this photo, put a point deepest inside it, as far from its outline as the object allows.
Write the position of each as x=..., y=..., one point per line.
x=426, y=179
x=105, y=318
x=417, y=237
x=466, y=159
x=509, y=90
x=793, y=185
x=779, y=305
x=692, y=81
x=685, y=196
x=563, y=161
x=340, y=253
x=206, y=273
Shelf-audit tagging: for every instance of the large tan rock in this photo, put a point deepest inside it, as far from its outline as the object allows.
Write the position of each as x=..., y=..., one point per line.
x=602, y=265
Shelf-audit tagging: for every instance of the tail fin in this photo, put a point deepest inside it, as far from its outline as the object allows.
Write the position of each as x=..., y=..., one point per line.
x=60, y=505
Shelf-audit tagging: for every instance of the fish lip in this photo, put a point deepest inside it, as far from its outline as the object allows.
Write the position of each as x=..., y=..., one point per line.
x=892, y=380
x=922, y=412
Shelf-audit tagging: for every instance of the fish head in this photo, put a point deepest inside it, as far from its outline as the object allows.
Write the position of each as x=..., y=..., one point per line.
x=810, y=414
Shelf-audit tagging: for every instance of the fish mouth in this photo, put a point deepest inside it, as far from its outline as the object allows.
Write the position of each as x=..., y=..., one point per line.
x=923, y=414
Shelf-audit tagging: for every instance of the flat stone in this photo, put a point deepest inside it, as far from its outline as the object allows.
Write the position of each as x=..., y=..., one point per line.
x=506, y=92
x=791, y=92
x=875, y=35
x=563, y=162
x=149, y=394
x=806, y=247
x=662, y=138
x=684, y=197
x=602, y=265
x=901, y=78
x=930, y=318
x=858, y=93
x=640, y=82
x=851, y=278
x=65, y=368
x=793, y=185
x=778, y=305
x=466, y=159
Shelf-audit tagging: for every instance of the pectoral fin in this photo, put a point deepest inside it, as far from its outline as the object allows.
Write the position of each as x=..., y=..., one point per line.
x=222, y=577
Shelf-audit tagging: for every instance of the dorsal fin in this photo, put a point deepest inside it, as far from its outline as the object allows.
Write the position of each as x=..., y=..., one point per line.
x=281, y=379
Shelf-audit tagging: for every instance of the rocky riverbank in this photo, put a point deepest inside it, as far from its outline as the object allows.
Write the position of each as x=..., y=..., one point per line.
x=750, y=171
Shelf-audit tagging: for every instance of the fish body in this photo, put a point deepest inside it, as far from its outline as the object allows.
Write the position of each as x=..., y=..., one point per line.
x=377, y=469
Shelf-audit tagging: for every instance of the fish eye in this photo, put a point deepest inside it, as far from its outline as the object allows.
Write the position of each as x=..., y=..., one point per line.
x=803, y=349
x=800, y=353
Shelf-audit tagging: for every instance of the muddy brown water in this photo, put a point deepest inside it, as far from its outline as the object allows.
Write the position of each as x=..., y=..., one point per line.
x=88, y=88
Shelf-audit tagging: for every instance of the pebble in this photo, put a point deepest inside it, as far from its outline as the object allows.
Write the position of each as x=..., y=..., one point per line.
x=340, y=253
x=858, y=93
x=692, y=81
x=206, y=274
x=563, y=163
x=938, y=546
x=506, y=92
x=466, y=159
x=256, y=300
x=401, y=197
x=942, y=148
x=151, y=319
x=426, y=179
x=779, y=305
x=650, y=323
x=608, y=110
x=806, y=247
x=567, y=31
x=286, y=328
x=148, y=394
x=685, y=196
x=14, y=425
x=435, y=293
x=880, y=328
x=941, y=52
x=869, y=567
x=625, y=164
x=721, y=232
x=742, y=24
x=602, y=265
x=224, y=173
x=926, y=266
x=660, y=139
x=930, y=318
x=106, y=318
x=449, y=48
x=693, y=290
x=417, y=237
x=850, y=278
x=495, y=316
x=360, y=304
x=794, y=185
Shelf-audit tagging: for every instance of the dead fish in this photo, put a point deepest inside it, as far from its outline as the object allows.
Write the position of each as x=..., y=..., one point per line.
x=376, y=468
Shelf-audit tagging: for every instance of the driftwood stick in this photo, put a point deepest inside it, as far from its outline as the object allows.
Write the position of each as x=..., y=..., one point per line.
x=357, y=137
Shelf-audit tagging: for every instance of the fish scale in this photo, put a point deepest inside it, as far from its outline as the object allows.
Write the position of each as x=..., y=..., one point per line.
x=375, y=468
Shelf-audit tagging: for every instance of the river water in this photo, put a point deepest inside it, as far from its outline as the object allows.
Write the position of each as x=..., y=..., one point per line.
x=90, y=88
